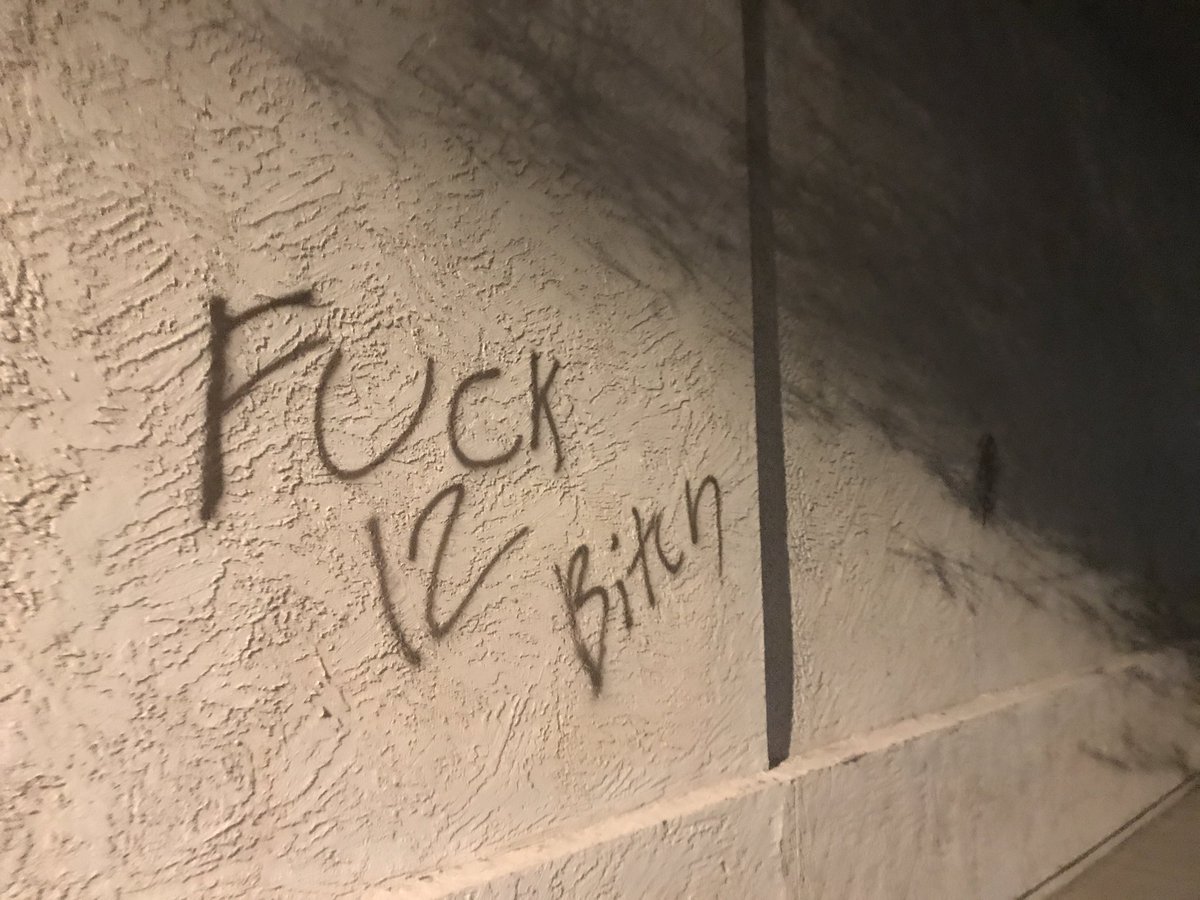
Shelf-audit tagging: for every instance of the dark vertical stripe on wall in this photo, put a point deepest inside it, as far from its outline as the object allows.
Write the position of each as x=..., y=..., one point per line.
x=772, y=494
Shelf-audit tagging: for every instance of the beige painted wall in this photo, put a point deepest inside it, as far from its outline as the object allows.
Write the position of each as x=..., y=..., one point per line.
x=948, y=275
x=961, y=210
x=205, y=691
x=235, y=665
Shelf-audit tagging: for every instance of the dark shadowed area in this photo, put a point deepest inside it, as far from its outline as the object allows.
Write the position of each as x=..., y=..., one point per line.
x=985, y=230
x=988, y=247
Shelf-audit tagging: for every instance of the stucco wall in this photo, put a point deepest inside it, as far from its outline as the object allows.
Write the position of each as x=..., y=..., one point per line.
x=982, y=385
x=380, y=475
x=976, y=470
x=207, y=689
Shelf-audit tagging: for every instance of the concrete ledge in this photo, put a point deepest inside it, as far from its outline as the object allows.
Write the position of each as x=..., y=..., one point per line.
x=985, y=800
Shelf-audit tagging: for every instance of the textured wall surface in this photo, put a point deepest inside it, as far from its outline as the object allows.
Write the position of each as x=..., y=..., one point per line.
x=378, y=470
x=976, y=402
x=330, y=335
x=984, y=382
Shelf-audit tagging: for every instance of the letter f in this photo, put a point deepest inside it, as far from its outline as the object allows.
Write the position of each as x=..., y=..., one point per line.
x=217, y=403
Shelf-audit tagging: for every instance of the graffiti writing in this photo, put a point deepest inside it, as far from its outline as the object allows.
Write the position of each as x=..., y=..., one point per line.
x=349, y=474
x=650, y=558
x=456, y=492
x=217, y=402
x=220, y=400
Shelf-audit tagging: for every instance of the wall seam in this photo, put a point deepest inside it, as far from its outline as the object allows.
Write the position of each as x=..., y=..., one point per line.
x=778, y=651
x=847, y=751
